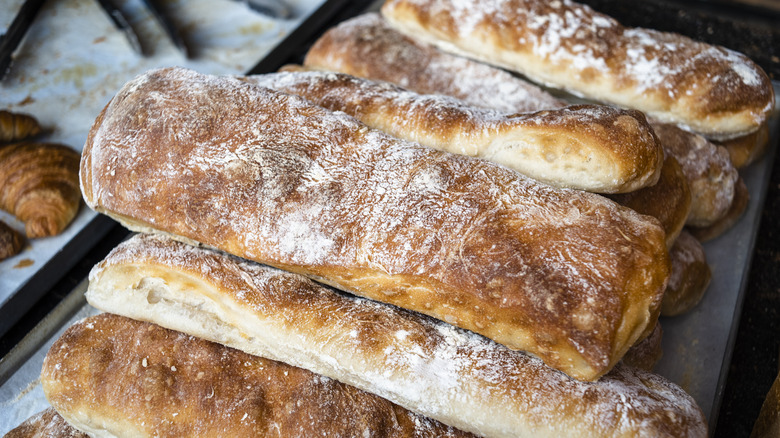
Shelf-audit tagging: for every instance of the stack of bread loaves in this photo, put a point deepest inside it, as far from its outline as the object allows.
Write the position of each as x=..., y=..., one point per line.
x=320, y=253
x=370, y=47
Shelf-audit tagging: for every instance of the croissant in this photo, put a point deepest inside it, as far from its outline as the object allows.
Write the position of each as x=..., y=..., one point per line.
x=10, y=241
x=16, y=126
x=39, y=185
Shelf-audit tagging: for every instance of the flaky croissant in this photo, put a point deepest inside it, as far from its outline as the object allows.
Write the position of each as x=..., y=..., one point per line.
x=39, y=185
x=11, y=241
x=16, y=126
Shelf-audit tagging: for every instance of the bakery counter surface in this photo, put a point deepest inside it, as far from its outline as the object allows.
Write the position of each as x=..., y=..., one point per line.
x=754, y=359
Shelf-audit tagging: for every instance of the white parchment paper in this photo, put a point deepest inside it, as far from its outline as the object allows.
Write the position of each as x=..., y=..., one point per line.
x=73, y=59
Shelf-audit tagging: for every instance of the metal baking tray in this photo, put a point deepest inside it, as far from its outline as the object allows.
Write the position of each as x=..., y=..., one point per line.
x=21, y=394
x=697, y=346
x=71, y=63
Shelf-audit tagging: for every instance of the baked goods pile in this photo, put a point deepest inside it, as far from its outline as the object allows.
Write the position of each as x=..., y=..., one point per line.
x=276, y=179
x=369, y=47
x=38, y=182
x=322, y=251
x=706, y=89
x=593, y=148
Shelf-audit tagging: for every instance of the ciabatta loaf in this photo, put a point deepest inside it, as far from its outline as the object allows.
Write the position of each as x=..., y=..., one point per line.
x=691, y=275
x=669, y=200
x=367, y=46
x=567, y=275
x=747, y=149
x=111, y=376
x=712, y=178
x=420, y=363
x=732, y=216
x=588, y=147
x=646, y=353
x=704, y=88
x=45, y=424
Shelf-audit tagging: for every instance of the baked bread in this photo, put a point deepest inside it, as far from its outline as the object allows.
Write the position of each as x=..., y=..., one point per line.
x=690, y=277
x=425, y=365
x=570, y=276
x=588, y=147
x=732, y=216
x=45, y=424
x=669, y=200
x=113, y=376
x=646, y=353
x=11, y=242
x=39, y=184
x=15, y=127
x=367, y=46
x=747, y=149
x=704, y=88
x=712, y=177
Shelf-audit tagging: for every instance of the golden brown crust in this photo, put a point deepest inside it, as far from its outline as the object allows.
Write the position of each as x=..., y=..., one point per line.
x=270, y=177
x=704, y=88
x=425, y=365
x=15, y=127
x=11, y=242
x=646, y=353
x=366, y=45
x=712, y=177
x=588, y=147
x=115, y=376
x=690, y=277
x=732, y=216
x=669, y=200
x=39, y=184
x=747, y=149
x=45, y=424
